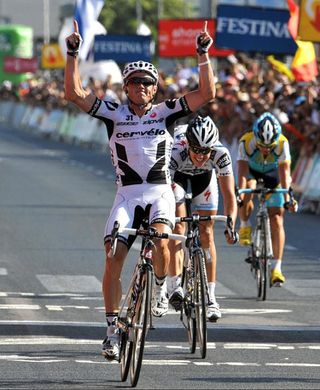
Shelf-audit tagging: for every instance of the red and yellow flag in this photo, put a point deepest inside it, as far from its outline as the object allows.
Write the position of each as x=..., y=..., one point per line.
x=304, y=65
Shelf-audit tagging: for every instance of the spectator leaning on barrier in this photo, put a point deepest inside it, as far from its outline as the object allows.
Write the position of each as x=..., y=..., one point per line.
x=140, y=140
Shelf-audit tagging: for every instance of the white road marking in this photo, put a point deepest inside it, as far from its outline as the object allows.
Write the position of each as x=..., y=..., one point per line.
x=62, y=307
x=19, y=307
x=293, y=364
x=290, y=247
x=3, y=271
x=255, y=311
x=248, y=346
x=166, y=362
x=70, y=283
x=38, y=340
x=238, y=364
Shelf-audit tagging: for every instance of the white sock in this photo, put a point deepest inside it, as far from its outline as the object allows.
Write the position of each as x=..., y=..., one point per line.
x=211, y=288
x=245, y=223
x=275, y=264
x=173, y=282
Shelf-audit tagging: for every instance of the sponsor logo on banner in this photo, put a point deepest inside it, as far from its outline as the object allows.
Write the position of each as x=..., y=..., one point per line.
x=51, y=57
x=177, y=37
x=122, y=48
x=253, y=29
x=20, y=65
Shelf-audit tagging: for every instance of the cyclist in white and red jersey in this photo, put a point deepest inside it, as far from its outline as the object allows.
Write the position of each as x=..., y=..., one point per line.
x=264, y=153
x=200, y=161
x=140, y=140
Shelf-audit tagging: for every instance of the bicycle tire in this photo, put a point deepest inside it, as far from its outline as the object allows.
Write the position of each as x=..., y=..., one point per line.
x=189, y=308
x=125, y=356
x=264, y=262
x=140, y=325
x=200, y=297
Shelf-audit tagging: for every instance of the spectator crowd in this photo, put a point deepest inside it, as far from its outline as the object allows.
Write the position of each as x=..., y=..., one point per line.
x=246, y=87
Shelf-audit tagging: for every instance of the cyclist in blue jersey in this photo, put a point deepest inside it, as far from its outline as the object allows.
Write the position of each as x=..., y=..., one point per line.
x=264, y=153
x=140, y=140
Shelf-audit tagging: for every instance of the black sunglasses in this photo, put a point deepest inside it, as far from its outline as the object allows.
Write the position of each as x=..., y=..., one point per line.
x=141, y=80
x=200, y=150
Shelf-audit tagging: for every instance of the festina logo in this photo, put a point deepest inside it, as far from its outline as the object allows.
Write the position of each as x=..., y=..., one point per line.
x=262, y=28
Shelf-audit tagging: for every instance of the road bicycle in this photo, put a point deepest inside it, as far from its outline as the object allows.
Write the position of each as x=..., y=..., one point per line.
x=260, y=250
x=135, y=318
x=194, y=279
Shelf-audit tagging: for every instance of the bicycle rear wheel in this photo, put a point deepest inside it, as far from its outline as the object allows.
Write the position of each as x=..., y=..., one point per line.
x=140, y=325
x=189, y=307
x=200, y=301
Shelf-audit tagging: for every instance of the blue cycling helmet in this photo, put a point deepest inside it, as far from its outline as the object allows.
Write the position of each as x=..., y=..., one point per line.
x=267, y=130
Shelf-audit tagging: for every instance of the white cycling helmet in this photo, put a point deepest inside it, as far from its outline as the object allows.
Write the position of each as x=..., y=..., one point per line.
x=140, y=66
x=267, y=129
x=202, y=132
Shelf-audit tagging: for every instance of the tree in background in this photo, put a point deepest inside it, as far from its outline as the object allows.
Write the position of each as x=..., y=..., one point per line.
x=120, y=16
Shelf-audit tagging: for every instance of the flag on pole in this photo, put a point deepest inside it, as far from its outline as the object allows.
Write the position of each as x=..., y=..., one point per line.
x=304, y=65
x=86, y=14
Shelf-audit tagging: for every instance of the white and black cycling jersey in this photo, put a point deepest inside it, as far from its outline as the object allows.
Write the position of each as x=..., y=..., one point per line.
x=220, y=159
x=140, y=147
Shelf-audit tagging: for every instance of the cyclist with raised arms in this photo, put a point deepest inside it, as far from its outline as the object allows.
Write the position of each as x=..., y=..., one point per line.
x=264, y=153
x=199, y=158
x=140, y=140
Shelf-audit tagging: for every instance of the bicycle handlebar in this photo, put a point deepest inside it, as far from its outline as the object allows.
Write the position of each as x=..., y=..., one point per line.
x=264, y=191
x=152, y=233
x=201, y=218
x=149, y=233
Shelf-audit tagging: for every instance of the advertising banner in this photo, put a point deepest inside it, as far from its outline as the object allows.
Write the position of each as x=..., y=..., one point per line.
x=20, y=65
x=122, y=48
x=253, y=29
x=15, y=41
x=51, y=57
x=309, y=24
x=177, y=38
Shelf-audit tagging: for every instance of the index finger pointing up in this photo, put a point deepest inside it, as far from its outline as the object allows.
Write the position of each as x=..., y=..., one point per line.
x=75, y=25
x=205, y=26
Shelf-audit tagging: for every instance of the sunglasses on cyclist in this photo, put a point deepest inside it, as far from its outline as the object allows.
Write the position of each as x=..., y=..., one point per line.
x=146, y=82
x=199, y=150
x=261, y=145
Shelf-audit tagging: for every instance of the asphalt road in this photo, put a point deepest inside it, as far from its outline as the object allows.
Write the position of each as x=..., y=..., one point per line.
x=54, y=199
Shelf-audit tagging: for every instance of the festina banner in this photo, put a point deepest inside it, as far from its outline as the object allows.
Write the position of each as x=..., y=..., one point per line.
x=122, y=48
x=253, y=29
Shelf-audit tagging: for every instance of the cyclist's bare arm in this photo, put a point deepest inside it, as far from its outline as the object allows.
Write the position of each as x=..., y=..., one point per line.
x=226, y=184
x=285, y=180
x=74, y=90
x=285, y=177
x=243, y=172
x=206, y=91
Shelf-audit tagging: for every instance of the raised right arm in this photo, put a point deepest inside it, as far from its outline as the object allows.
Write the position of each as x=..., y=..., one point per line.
x=74, y=90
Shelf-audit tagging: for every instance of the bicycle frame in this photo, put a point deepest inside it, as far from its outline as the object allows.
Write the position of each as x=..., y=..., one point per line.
x=194, y=280
x=135, y=316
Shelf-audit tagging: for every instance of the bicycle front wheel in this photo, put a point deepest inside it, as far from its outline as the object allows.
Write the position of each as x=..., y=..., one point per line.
x=189, y=306
x=264, y=261
x=140, y=325
x=200, y=300
x=125, y=355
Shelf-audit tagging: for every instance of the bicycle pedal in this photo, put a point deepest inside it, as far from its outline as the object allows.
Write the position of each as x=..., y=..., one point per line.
x=248, y=260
